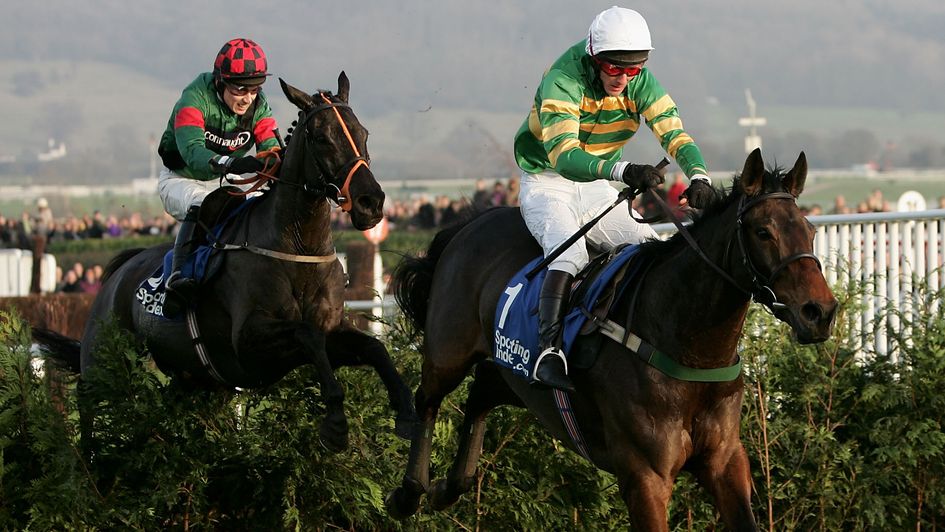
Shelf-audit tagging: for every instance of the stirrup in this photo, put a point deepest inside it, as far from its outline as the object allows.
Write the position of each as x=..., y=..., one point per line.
x=551, y=351
x=558, y=379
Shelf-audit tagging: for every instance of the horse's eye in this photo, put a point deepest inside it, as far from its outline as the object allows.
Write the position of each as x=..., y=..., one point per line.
x=763, y=234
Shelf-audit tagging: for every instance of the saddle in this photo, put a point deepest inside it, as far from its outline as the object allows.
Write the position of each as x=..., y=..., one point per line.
x=597, y=286
x=217, y=212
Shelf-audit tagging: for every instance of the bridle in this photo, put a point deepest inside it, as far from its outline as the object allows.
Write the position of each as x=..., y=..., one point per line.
x=760, y=289
x=342, y=194
x=328, y=179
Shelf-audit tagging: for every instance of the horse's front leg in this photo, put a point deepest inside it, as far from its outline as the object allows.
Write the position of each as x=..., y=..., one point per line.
x=646, y=494
x=726, y=475
x=265, y=346
x=349, y=346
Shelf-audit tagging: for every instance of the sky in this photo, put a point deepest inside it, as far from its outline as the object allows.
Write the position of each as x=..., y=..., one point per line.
x=423, y=72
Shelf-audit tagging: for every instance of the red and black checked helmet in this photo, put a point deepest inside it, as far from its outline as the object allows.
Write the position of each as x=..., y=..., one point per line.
x=241, y=61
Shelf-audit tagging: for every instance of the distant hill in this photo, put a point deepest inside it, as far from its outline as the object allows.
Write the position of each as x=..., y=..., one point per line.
x=443, y=86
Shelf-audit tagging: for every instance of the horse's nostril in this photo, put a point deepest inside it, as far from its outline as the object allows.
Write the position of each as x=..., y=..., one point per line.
x=811, y=312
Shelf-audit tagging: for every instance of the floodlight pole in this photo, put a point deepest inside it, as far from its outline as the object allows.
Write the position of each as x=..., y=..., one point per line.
x=753, y=140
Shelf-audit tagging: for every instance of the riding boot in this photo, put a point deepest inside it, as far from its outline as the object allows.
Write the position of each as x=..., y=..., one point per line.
x=551, y=368
x=180, y=290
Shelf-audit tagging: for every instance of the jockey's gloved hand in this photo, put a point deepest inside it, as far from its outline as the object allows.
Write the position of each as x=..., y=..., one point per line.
x=642, y=176
x=700, y=193
x=237, y=165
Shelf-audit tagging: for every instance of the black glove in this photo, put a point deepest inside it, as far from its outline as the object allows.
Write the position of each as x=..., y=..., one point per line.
x=237, y=165
x=700, y=194
x=642, y=176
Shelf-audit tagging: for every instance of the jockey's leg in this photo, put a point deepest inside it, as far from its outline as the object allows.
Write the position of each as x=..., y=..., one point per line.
x=551, y=366
x=180, y=290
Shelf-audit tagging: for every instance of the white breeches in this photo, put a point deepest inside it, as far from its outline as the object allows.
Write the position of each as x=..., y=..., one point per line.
x=555, y=208
x=179, y=193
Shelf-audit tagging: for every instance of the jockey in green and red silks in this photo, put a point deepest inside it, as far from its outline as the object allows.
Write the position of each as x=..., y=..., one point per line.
x=219, y=117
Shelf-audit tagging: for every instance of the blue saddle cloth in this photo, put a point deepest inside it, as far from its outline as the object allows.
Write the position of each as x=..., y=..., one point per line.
x=151, y=292
x=516, y=321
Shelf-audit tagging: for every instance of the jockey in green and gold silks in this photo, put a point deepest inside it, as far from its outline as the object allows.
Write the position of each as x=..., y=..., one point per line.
x=577, y=130
x=588, y=105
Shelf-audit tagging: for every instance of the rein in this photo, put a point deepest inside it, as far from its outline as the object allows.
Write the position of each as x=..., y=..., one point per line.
x=760, y=290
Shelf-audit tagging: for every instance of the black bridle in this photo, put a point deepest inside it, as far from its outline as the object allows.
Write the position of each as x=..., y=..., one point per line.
x=760, y=289
x=761, y=285
x=339, y=179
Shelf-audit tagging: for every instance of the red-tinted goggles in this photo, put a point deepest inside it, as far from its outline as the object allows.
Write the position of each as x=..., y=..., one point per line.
x=614, y=70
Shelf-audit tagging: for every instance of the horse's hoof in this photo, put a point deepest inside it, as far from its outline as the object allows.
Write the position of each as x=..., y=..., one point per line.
x=440, y=495
x=405, y=426
x=400, y=504
x=334, y=435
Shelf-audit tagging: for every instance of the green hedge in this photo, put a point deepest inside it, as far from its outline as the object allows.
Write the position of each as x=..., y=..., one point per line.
x=836, y=443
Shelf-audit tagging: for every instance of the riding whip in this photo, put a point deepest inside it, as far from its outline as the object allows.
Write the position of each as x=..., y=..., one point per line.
x=627, y=194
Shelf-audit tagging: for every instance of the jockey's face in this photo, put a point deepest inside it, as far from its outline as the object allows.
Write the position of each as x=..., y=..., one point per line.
x=615, y=84
x=239, y=98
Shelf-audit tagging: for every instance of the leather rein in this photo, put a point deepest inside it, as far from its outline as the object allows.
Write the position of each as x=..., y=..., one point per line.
x=760, y=289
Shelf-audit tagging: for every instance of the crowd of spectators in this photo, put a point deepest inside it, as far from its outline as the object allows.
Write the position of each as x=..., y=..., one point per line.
x=29, y=228
x=424, y=212
x=79, y=279
x=420, y=212
x=18, y=233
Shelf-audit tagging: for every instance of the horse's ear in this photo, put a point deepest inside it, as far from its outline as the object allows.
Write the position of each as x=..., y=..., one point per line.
x=343, y=86
x=753, y=174
x=794, y=180
x=297, y=97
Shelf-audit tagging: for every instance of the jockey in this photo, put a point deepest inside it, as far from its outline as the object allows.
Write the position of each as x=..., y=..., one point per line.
x=587, y=106
x=217, y=119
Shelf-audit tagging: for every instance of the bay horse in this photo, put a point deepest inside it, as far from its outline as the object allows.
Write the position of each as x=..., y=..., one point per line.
x=639, y=423
x=278, y=299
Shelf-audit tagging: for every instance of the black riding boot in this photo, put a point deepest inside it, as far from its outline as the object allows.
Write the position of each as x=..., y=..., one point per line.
x=551, y=368
x=180, y=290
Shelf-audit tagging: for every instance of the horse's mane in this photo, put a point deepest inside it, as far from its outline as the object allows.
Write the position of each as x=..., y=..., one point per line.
x=655, y=249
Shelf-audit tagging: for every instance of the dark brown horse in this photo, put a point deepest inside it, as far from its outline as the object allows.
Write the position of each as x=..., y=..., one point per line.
x=642, y=425
x=278, y=300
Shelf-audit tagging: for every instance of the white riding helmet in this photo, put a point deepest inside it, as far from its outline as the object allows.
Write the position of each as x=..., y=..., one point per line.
x=619, y=30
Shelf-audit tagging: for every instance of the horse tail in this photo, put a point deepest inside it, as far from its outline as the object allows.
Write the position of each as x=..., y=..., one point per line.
x=62, y=350
x=412, y=279
x=117, y=261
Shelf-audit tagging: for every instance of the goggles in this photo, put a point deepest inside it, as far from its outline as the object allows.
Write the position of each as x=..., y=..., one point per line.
x=614, y=70
x=242, y=90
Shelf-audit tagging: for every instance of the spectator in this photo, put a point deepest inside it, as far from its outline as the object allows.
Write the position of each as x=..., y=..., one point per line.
x=70, y=283
x=481, y=199
x=498, y=194
x=89, y=284
x=676, y=189
x=45, y=222
x=96, y=227
x=840, y=205
x=511, y=198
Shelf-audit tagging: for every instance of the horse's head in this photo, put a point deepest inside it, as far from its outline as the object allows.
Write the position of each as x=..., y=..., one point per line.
x=776, y=243
x=334, y=161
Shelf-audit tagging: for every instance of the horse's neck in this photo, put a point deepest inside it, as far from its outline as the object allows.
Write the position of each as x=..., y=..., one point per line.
x=686, y=308
x=303, y=221
x=300, y=221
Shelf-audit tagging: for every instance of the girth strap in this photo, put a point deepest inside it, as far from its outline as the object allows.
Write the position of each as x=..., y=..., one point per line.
x=277, y=254
x=663, y=362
